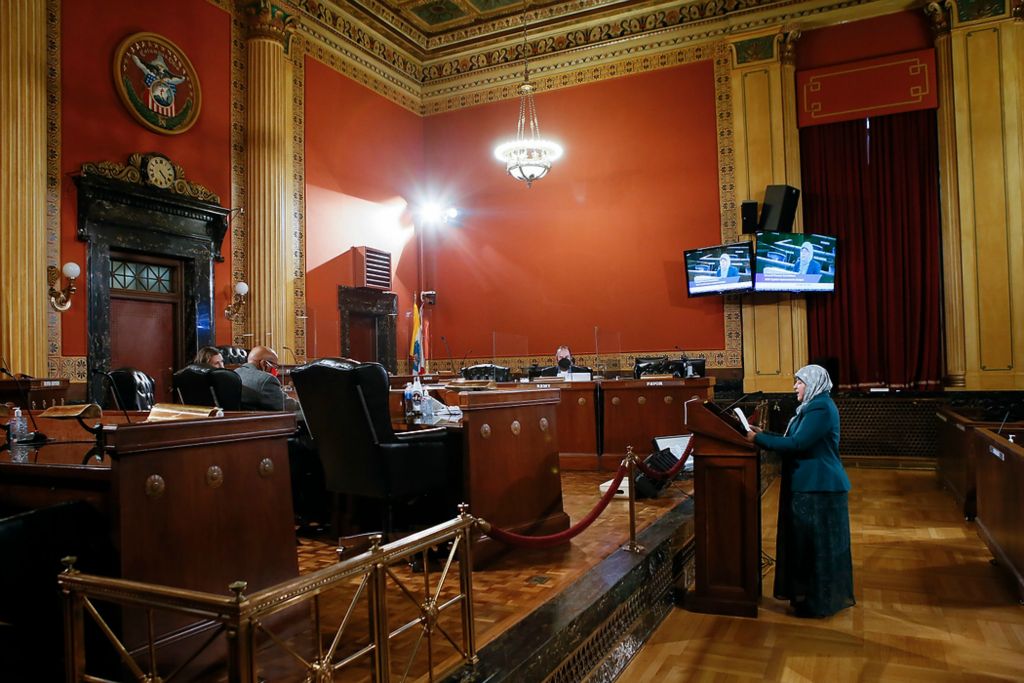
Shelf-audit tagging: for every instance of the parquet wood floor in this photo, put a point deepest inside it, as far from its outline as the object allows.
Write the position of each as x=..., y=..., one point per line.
x=930, y=606
x=505, y=591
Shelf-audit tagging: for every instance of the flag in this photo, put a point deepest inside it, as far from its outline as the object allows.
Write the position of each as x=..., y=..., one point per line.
x=416, y=342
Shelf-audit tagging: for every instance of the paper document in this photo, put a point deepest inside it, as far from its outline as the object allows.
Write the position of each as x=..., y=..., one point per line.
x=742, y=417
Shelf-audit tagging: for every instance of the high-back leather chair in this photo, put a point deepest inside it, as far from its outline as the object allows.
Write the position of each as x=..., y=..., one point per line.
x=654, y=365
x=346, y=409
x=233, y=355
x=201, y=385
x=134, y=390
x=498, y=373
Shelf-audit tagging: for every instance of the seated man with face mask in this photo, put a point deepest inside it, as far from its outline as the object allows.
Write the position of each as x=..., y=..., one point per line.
x=261, y=389
x=564, y=364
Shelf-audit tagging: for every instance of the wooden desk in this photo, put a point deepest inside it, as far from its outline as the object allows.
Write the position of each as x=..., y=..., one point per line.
x=40, y=392
x=192, y=504
x=999, y=468
x=634, y=411
x=510, y=462
x=954, y=452
x=578, y=424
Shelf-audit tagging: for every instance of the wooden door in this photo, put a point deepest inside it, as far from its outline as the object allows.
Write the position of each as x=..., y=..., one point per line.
x=363, y=338
x=142, y=337
x=145, y=326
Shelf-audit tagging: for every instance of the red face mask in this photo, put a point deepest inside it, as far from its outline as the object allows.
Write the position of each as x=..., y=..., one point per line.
x=273, y=370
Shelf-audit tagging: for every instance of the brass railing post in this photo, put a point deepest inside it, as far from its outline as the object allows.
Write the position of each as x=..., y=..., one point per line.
x=379, y=630
x=466, y=586
x=241, y=668
x=74, y=632
x=632, y=546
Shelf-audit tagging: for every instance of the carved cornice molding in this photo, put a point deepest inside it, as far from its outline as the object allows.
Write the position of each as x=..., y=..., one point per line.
x=270, y=20
x=132, y=173
x=583, y=52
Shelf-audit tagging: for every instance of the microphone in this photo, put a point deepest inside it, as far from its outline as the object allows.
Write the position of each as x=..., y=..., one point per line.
x=449, y=350
x=744, y=396
x=682, y=354
x=33, y=437
x=469, y=351
x=118, y=403
x=1003, y=423
x=295, y=359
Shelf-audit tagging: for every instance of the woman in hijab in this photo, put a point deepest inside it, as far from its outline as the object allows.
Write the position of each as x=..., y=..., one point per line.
x=813, y=569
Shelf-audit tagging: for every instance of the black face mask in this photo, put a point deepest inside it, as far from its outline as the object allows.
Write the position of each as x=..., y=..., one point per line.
x=564, y=364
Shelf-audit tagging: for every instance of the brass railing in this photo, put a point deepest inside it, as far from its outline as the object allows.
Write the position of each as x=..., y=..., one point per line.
x=241, y=618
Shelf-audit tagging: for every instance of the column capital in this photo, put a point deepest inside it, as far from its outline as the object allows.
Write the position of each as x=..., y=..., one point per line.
x=266, y=19
x=939, y=14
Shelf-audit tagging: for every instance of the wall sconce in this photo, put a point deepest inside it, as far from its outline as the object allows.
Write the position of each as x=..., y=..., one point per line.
x=234, y=311
x=60, y=299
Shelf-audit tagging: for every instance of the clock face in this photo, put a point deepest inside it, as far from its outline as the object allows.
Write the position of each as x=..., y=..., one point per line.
x=159, y=171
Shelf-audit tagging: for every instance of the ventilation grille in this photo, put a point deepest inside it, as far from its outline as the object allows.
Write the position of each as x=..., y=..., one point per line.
x=372, y=268
x=879, y=426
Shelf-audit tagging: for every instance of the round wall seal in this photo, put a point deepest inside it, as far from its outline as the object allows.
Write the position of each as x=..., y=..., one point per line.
x=157, y=83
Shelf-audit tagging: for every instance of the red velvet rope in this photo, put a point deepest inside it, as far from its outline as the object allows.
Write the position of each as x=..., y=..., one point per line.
x=562, y=536
x=672, y=471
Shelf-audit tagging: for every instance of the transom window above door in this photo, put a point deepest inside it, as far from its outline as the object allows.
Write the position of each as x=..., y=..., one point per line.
x=141, y=277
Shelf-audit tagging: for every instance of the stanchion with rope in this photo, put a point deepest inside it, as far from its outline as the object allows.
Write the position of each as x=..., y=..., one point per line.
x=628, y=466
x=631, y=462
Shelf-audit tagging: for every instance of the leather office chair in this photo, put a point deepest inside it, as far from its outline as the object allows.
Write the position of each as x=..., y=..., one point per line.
x=346, y=409
x=233, y=355
x=131, y=390
x=498, y=373
x=654, y=365
x=201, y=385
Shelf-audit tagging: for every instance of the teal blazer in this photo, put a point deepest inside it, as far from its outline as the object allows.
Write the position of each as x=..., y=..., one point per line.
x=810, y=448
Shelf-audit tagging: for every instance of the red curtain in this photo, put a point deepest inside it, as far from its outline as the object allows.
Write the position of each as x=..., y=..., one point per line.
x=874, y=184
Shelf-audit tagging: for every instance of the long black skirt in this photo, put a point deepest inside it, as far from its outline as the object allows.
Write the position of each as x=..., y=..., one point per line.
x=814, y=569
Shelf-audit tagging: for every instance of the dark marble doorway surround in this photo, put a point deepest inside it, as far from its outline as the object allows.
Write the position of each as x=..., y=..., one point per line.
x=382, y=308
x=130, y=217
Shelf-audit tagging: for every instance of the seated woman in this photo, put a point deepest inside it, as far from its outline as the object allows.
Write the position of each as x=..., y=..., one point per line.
x=209, y=355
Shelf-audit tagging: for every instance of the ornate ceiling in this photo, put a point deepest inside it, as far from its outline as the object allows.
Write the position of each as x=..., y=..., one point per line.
x=433, y=29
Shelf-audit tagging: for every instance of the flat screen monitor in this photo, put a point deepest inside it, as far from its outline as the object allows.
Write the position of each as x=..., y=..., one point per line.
x=716, y=270
x=795, y=262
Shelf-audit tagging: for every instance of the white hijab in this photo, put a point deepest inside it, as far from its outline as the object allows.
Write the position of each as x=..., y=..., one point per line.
x=817, y=380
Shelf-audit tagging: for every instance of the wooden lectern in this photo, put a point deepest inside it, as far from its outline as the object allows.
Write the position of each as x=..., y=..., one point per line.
x=727, y=514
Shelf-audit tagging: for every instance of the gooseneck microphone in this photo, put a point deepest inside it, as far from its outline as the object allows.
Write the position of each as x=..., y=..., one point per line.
x=118, y=403
x=33, y=437
x=741, y=398
x=468, y=351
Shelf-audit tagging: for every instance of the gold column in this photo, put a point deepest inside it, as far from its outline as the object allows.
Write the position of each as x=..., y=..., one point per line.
x=952, y=279
x=268, y=170
x=23, y=286
x=768, y=153
x=987, y=53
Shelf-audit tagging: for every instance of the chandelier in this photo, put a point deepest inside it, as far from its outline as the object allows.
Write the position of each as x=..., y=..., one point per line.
x=528, y=157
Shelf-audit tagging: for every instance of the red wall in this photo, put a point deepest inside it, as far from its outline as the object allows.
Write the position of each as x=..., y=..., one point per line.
x=95, y=126
x=885, y=35
x=599, y=241
x=364, y=160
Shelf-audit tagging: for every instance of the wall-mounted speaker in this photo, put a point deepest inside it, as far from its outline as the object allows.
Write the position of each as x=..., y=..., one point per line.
x=779, y=208
x=748, y=217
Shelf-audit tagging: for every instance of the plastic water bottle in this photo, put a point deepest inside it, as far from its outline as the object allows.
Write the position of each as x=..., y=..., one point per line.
x=426, y=408
x=18, y=427
x=407, y=399
x=417, y=396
